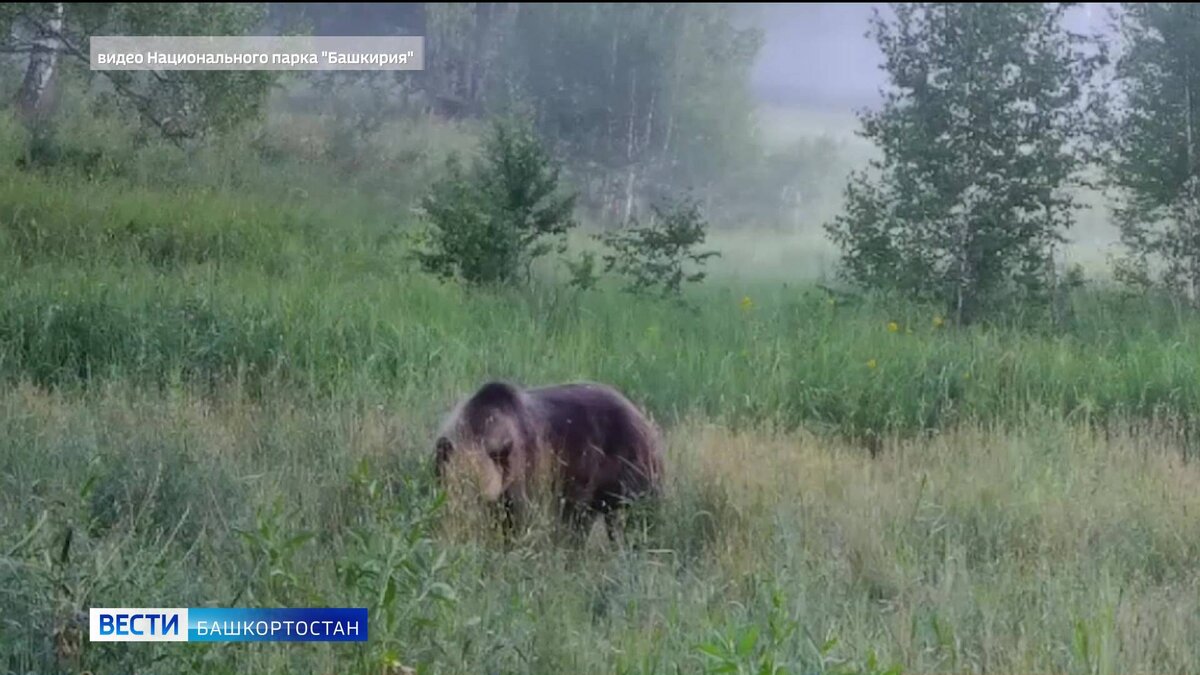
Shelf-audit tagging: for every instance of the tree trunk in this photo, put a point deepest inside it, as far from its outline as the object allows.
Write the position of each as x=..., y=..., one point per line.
x=632, y=116
x=1195, y=264
x=644, y=148
x=631, y=175
x=963, y=300
x=666, y=148
x=33, y=98
x=966, y=291
x=630, y=181
x=1191, y=225
x=1059, y=301
x=1190, y=113
x=649, y=120
x=613, y=120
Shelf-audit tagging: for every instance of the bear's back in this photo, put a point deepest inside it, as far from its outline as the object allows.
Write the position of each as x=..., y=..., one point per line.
x=585, y=416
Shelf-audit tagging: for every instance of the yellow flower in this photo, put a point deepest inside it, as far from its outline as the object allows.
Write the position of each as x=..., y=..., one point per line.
x=871, y=363
x=893, y=327
x=967, y=376
x=747, y=304
x=938, y=322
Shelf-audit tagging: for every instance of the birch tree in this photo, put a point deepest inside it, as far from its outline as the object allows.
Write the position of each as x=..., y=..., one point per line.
x=1156, y=162
x=180, y=104
x=43, y=49
x=980, y=136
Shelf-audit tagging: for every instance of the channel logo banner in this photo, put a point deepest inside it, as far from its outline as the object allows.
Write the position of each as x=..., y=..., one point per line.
x=138, y=625
x=210, y=624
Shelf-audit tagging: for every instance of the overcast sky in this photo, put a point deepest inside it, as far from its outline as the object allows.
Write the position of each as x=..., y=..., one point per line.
x=817, y=55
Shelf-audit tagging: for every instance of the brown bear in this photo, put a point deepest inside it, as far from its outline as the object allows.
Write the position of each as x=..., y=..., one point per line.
x=598, y=448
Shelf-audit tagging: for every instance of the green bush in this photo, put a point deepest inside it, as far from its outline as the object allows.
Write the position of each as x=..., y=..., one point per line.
x=582, y=271
x=654, y=256
x=489, y=223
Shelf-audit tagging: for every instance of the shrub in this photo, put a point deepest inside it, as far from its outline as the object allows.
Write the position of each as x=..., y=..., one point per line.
x=583, y=271
x=489, y=223
x=654, y=256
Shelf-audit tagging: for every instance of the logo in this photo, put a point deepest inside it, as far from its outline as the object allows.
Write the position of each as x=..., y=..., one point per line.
x=210, y=624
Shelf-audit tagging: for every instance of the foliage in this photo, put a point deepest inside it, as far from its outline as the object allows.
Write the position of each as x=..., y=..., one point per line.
x=1155, y=158
x=179, y=104
x=979, y=134
x=582, y=271
x=202, y=275
x=231, y=402
x=221, y=397
x=490, y=223
x=655, y=255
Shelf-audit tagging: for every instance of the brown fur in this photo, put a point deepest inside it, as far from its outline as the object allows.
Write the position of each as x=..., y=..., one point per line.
x=600, y=450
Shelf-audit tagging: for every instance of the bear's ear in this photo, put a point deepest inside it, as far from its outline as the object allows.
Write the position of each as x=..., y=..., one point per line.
x=498, y=395
x=444, y=448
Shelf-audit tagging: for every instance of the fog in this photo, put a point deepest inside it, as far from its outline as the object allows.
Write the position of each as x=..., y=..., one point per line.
x=628, y=128
x=817, y=55
x=818, y=67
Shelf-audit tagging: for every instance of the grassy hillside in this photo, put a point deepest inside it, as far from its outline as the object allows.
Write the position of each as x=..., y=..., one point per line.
x=220, y=374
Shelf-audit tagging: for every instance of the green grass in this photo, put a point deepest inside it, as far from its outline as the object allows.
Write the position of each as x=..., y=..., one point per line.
x=1051, y=549
x=222, y=392
x=792, y=359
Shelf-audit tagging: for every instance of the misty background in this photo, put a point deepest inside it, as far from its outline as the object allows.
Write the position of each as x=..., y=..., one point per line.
x=816, y=68
x=784, y=172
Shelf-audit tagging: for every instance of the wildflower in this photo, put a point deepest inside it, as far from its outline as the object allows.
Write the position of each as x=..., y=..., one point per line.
x=893, y=327
x=967, y=376
x=871, y=363
x=938, y=322
x=832, y=302
x=747, y=303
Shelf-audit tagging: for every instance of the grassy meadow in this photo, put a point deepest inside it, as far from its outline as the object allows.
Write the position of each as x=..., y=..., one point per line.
x=220, y=374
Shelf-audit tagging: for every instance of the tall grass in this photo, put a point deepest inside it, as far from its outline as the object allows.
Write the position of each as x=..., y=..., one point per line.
x=1045, y=549
x=219, y=375
x=791, y=359
x=116, y=277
